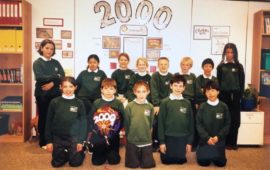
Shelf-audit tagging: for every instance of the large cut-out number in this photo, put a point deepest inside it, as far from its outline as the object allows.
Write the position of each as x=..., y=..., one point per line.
x=106, y=20
x=118, y=10
x=164, y=24
x=144, y=17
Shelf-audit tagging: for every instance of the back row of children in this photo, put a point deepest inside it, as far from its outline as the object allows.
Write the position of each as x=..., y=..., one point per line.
x=106, y=113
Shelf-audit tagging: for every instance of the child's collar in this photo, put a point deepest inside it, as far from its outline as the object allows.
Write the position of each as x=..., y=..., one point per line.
x=68, y=97
x=45, y=59
x=173, y=97
x=206, y=77
x=181, y=73
x=106, y=99
x=142, y=73
x=163, y=74
x=95, y=71
x=214, y=103
x=145, y=101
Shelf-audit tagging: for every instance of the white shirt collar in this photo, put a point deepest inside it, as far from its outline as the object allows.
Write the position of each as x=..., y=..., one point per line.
x=228, y=62
x=45, y=59
x=145, y=102
x=205, y=76
x=142, y=73
x=163, y=74
x=181, y=73
x=106, y=99
x=214, y=103
x=173, y=97
x=95, y=71
x=68, y=97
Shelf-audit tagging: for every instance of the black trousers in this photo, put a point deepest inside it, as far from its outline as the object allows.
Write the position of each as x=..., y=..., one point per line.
x=211, y=153
x=233, y=101
x=175, y=150
x=42, y=106
x=88, y=105
x=65, y=150
x=139, y=156
x=103, y=151
x=155, y=143
x=196, y=135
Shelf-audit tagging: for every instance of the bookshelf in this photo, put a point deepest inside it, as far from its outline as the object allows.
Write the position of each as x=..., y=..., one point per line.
x=18, y=56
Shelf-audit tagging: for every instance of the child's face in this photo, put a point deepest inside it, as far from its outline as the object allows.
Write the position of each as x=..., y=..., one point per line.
x=229, y=54
x=207, y=69
x=141, y=66
x=212, y=94
x=47, y=50
x=67, y=88
x=185, y=67
x=108, y=92
x=141, y=93
x=177, y=88
x=123, y=62
x=163, y=66
x=93, y=64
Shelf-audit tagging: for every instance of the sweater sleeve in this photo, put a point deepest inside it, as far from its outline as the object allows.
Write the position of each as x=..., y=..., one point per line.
x=40, y=76
x=130, y=95
x=191, y=126
x=227, y=122
x=154, y=90
x=127, y=119
x=61, y=73
x=241, y=78
x=83, y=126
x=200, y=127
x=161, y=122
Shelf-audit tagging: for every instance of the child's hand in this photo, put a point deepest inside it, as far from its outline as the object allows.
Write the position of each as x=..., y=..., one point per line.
x=162, y=148
x=188, y=148
x=49, y=147
x=79, y=147
x=210, y=141
x=156, y=110
x=215, y=139
x=47, y=86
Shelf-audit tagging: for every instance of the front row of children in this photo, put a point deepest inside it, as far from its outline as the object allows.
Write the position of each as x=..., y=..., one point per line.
x=66, y=127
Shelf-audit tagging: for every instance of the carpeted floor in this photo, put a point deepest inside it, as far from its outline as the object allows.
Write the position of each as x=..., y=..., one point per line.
x=28, y=156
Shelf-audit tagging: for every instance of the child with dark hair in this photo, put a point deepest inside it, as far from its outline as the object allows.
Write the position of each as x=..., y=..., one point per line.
x=66, y=126
x=48, y=73
x=213, y=124
x=231, y=78
x=139, y=116
x=207, y=66
x=106, y=122
x=175, y=124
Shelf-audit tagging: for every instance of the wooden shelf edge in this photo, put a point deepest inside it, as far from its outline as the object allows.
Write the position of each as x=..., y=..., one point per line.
x=10, y=25
x=11, y=84
x=6, y=138
x=11, y=111
x=11, y=53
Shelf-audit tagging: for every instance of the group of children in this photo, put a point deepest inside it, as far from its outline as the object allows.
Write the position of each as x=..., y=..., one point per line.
x=176, y=112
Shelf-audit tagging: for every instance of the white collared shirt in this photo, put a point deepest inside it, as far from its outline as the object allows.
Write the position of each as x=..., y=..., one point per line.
x=45, y=59
x=142, y=73
x=228, y=62
x=106, y=99
x=181, y=73
x=95, y=71
x=214, y=103
x=205, y=76
x=145, y=101
x=163, y=74
x=68, y=97
x=173, y=97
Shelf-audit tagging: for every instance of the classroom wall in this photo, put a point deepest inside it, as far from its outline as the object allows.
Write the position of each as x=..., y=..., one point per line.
x=178, y=38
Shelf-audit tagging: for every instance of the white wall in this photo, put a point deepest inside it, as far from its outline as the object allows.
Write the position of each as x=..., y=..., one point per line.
x=79, y=17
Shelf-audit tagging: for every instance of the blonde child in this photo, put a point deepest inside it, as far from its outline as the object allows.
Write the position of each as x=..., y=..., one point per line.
x=139, y=116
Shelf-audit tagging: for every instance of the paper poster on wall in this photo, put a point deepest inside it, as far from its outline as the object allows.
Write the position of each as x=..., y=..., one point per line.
x=152, y=54
x=111, y=42
x=218, y=44
x=134, y=47
x=220, y=30
x=201, y=32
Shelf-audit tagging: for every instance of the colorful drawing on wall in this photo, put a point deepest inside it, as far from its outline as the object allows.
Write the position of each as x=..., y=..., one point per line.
x=44, y=33
x=154, y=43
x=113, y=65
x=114, y=53
x=152, y=54
x=201, y=32
x=65, y=34
x=111, y=42
x=153, y=69
x=67, y=54
x=58, y=44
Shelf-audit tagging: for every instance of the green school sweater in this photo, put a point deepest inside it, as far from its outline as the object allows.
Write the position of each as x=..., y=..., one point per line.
x=138, y=123
x=201, y=82
x=66, y=117
x=89, y=84
x=122, y=78
x=175, y=118
x=213, y=121
x=231, y=77
x=160, y=87
x=45, y=72
x=191, y=88
x=134, y=78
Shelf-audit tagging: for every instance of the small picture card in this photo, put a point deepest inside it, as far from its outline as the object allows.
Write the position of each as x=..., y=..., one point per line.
x=59, y=22
x=111, y=42
x=113, y=65
x=37, y=44
x=153, y=69
x=152, y=54
x=114, y=53
x=201, y=32
x=69, y=45
x=67, y=54
x=65, y=34
x=44, y=33
x=154, y=43
x=58, y=44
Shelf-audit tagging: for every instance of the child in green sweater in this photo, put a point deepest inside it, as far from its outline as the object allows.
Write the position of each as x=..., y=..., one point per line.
x=66, y=126
x=213, y=124
x=175, y=124
x=139, y=115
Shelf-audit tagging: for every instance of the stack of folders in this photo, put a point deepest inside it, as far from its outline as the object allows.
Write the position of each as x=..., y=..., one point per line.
x=11, y=103
x=11, y=41
x=10, y=12
x=267, y=25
